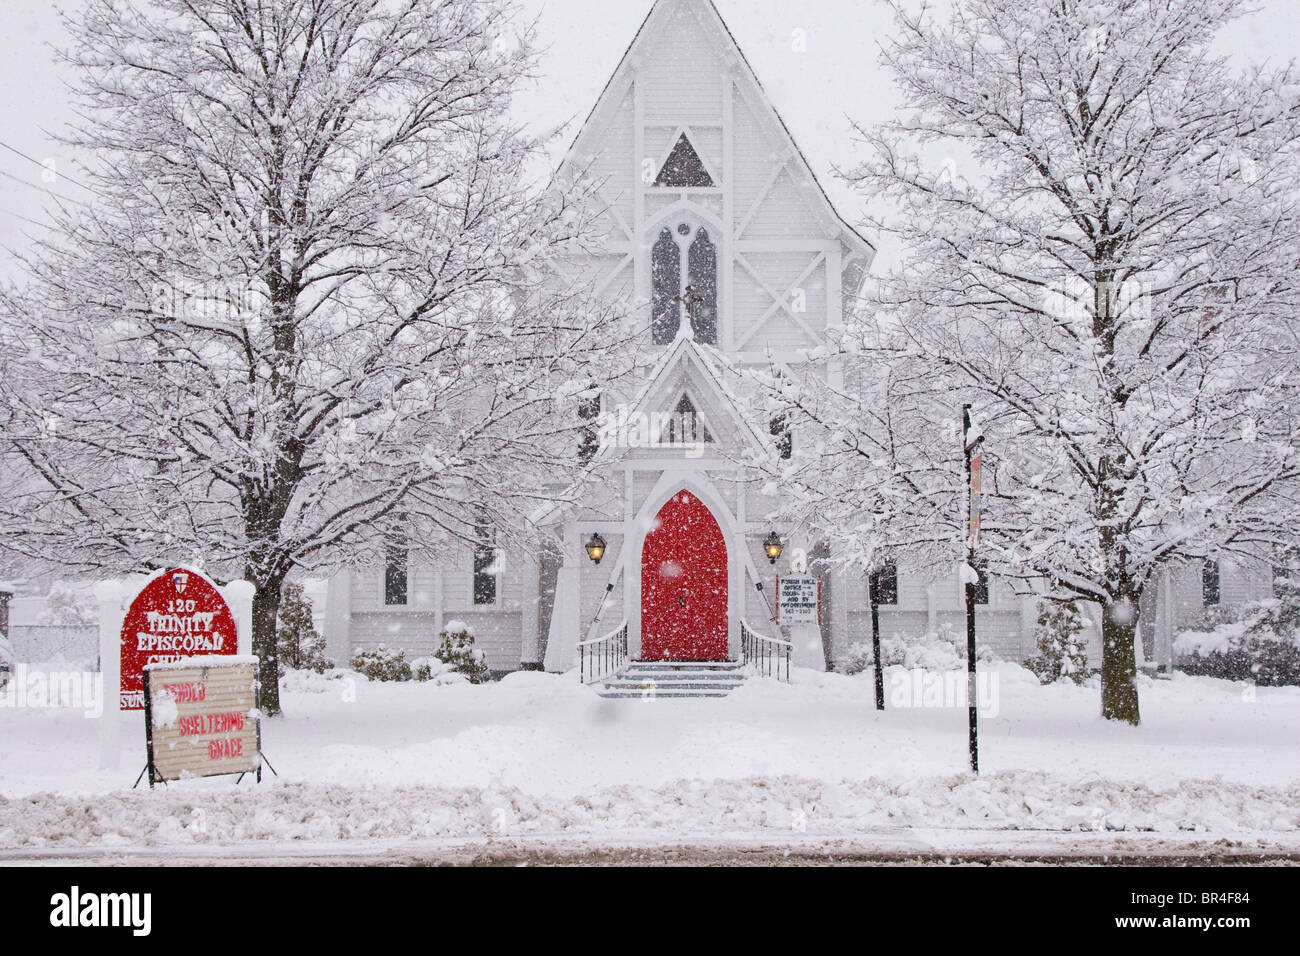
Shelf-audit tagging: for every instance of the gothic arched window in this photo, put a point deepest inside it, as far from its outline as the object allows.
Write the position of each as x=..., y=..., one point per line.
x=666, y=276
x=589, y=431
x=703, y=281
x=694, y=288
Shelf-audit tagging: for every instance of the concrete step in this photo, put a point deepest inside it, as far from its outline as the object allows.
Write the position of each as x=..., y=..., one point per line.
x=659, y=686
x=683, y=674
x=674, y=680
x=663, y=695
x=687, y=665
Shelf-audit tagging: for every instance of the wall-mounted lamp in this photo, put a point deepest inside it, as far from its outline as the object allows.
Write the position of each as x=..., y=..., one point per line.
x=772, y=547
x=595, y=548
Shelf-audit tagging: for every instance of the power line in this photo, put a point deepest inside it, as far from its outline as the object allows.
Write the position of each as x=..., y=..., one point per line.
x=32, y=159
x=18, y=215
x=43, y=189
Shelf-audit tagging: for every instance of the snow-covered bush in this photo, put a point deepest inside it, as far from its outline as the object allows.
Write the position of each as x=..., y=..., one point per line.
x=1062, y=648
x=1258, y=641
x=299, y=645
x=313, y=682
x=857, y=658
x=430, y=670
x=381, y=664
x=457, y=650
x=69, y=606
x=944, y=650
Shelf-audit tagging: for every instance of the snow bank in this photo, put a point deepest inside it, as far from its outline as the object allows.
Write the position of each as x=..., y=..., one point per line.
x=683, y=809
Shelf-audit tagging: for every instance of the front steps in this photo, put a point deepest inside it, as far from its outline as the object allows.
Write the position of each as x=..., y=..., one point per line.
x=651, y=680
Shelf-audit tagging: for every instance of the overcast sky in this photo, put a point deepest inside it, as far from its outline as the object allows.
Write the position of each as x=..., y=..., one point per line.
x=582, y=42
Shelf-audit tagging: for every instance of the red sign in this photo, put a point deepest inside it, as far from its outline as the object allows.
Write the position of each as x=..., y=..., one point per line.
x=976, y=498
x=177, y=614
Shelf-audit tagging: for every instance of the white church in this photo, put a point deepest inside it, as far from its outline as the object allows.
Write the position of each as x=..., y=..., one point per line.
x=715, y=219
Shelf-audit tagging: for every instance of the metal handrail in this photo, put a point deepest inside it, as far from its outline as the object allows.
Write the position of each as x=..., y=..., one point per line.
x=765, y=654
x=609, y=652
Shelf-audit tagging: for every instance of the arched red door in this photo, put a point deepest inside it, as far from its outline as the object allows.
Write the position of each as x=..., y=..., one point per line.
x=684, y=584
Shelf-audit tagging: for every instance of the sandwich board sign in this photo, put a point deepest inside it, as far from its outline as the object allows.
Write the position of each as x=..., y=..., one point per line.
x=798, y=599
x=177, y=614
x=202, y=717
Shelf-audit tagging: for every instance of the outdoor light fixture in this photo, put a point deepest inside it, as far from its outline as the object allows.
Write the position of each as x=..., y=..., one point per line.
x=772, y=547
x=596, y=548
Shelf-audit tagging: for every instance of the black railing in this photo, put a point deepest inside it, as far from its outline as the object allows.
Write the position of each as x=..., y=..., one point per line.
x=765, y=655
x=604, y=656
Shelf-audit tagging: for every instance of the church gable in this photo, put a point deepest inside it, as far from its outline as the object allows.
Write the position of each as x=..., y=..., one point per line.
x=685, y=143
x=687, y=408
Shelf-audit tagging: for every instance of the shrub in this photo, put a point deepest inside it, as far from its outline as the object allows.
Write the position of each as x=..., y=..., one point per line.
x=381, y=664
x=1062, y=649
x=942, y=650
x=458, y=652
x=1258, y=641
x=70, y=606
x=430, y=670
x=856, y=658
x=299, y=646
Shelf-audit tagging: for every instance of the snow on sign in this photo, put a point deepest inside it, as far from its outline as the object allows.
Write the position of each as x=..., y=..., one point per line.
x=798, y=599
x=201, y=717
x=179, y=613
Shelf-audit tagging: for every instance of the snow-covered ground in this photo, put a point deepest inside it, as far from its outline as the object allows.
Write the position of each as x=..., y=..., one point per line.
x=538, y=757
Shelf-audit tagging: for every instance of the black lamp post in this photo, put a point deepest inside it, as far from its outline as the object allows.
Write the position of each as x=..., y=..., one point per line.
x=772, y=547
x=595, y=548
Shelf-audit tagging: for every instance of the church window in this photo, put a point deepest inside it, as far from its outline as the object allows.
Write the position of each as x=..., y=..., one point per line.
x=692, y=290
x=666, y=276
x=589, y=431
x=1210, y=582
x=486, y=566
x=684, y=425
x=396, y=576
x=780, y=430
x=702, y=281
x=683, y=168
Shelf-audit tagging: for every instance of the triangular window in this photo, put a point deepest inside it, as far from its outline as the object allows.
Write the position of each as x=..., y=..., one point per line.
x=683, y=167
x=684, y=426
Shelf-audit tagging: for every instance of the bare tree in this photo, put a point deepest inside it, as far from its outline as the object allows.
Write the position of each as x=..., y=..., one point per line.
x=312, y=303
x=1097, y=226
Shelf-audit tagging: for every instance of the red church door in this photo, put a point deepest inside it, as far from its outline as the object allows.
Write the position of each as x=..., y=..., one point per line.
x=684, y=585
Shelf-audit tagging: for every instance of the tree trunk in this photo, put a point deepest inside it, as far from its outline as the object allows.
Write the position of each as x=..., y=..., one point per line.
x=266, y=608
x=1119, y=696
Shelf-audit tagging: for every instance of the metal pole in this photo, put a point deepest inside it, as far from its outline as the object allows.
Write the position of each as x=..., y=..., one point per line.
x=875, y=645
x=971, y=685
